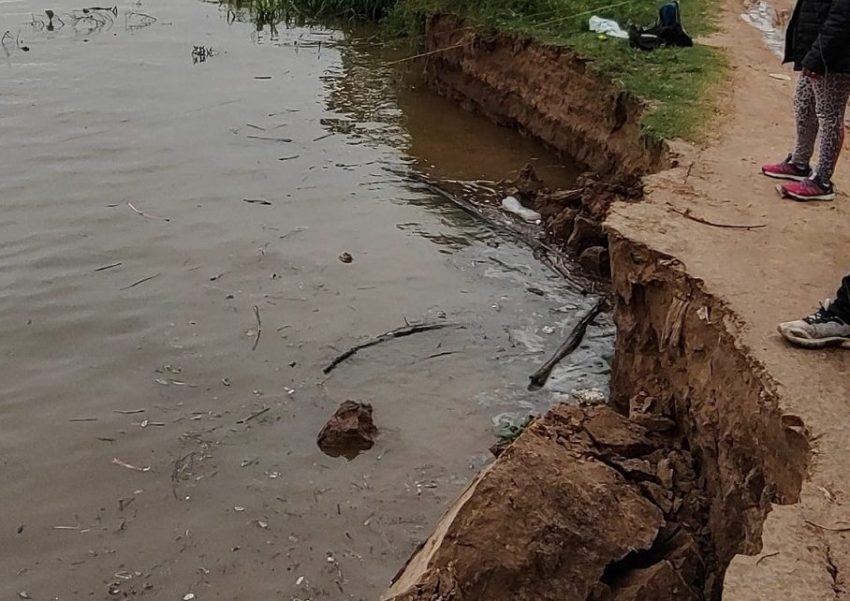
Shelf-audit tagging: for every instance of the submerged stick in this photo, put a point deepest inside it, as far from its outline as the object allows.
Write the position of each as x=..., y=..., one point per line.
x=732, y=226
x=407, y=330
x=538, y=379
x=130, y=466
x=245, y=420
x=259, y=328
x=546, y=254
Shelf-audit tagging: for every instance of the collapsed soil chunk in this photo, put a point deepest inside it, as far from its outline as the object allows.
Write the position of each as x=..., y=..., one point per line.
x=349, y=432
x=583, y=505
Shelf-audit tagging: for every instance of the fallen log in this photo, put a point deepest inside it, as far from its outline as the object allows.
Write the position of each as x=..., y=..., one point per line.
x=539, y=378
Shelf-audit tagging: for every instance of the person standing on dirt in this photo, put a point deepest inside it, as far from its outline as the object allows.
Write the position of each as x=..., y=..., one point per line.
x=818, y=44
x=828, y=326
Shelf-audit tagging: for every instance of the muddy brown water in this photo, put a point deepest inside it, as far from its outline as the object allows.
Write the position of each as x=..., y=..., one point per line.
x=127, y=337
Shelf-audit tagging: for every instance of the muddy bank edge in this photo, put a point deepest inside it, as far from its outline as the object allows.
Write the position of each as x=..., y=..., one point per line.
x=679, y=351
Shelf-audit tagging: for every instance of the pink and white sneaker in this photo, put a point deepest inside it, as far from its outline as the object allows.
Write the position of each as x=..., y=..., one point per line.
x=811, y=188
x=787, y=170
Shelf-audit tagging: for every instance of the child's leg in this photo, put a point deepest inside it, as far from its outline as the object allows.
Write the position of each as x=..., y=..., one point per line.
x=831, y=94
x=807, y=122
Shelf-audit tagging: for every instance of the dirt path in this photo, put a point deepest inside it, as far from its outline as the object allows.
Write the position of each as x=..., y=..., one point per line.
x=767, y=275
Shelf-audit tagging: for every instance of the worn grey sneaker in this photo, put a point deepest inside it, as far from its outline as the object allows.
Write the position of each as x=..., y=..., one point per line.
x=819, y=330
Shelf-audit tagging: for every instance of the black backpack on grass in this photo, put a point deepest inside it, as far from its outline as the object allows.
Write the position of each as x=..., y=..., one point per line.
x=667, y=31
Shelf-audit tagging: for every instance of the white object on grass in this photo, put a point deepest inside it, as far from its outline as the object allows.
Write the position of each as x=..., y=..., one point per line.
x=512, y=205
x=610, y=28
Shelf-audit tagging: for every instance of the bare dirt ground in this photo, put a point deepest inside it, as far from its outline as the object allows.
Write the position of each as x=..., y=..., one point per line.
x=767, y=275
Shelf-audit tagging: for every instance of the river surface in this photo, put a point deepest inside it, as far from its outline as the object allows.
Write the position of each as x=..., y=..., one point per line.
x=131, y=264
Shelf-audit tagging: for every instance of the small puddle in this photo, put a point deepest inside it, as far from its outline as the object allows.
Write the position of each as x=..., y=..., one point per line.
x=202, y=208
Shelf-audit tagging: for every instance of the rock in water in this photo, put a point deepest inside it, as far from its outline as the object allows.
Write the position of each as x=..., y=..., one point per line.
x=349, y=432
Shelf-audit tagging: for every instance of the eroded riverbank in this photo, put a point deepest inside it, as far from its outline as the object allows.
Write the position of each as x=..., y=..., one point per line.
x=695, y=318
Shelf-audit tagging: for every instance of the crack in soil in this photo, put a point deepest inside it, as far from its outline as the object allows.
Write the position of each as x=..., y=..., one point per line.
x=832, y=570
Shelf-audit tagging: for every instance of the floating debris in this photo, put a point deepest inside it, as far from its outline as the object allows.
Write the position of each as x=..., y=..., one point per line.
x=245, y=420
x=130, y=466
x=105, y=267
x=201, y=53
x=512, y=205
x=134, y=20
x=142, y=281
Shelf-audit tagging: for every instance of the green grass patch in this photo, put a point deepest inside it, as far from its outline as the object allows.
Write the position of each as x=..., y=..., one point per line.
x=679, y=85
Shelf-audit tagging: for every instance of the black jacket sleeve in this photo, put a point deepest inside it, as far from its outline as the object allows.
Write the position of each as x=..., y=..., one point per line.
x=833, y=43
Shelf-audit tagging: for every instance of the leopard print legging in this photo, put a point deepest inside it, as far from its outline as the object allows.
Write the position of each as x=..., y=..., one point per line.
x=819, y=105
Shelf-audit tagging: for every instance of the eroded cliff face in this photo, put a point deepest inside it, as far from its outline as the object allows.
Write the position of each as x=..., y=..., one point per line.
x=587, y=504
x=679, y=347
x=547, y=92
x=649, y=499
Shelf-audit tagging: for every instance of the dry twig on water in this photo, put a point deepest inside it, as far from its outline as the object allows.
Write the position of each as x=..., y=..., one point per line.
x=538, y=379
x=105, y=267
x=270, y=139
x=391, y=335
x=142, y=281
x=130, y=466
x=259, y=327
x=146, y=215
x=245, y=420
